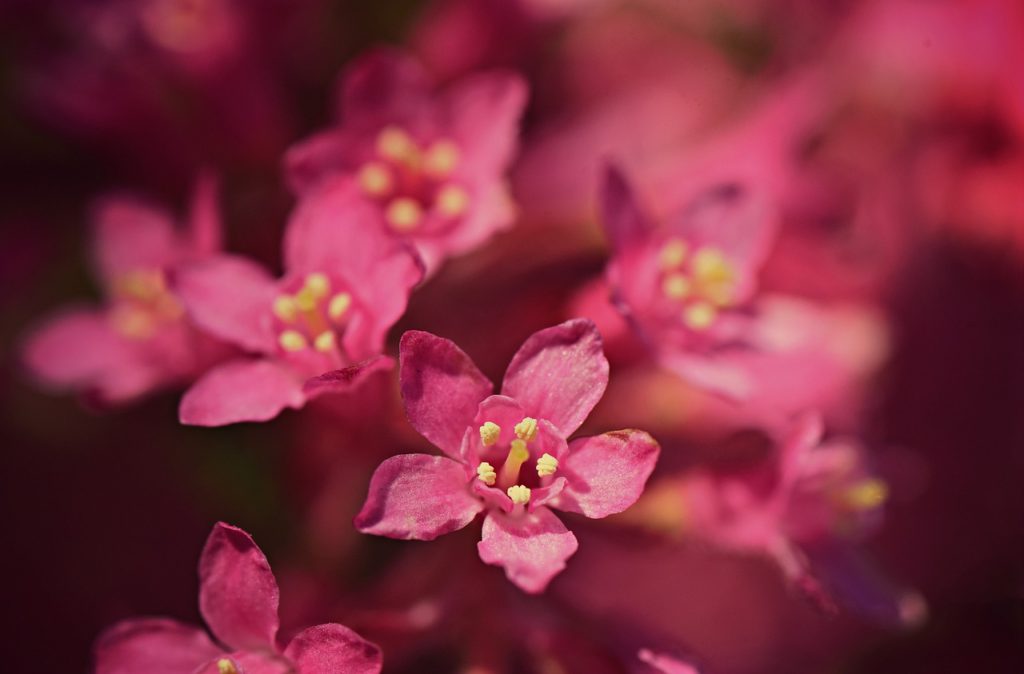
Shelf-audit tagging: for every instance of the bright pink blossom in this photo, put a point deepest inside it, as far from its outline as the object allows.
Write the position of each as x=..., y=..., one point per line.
x=433, y=162
x=139, y=340
x=319, y=329
x=507, y=454
x=238, y=598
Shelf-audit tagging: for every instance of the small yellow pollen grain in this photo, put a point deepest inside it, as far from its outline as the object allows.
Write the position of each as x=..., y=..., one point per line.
x=699, y=316
x=133, y=323
x=339, y=305
x=673, y=253
x=441, y=159
x=866, y=494
x=710, y=266
x=452, y=201
x=375, y=179
x=318, y=284
x=305, y=299
x=292, y=340
x=675, y=286
x=285, y=309
x=519, y=494
x=225, y=666
x=546, y=465
x=485, y=473
x=489, y=433
x=325, y=341
x=404, y=214
x=526, y=429
x=395, y=144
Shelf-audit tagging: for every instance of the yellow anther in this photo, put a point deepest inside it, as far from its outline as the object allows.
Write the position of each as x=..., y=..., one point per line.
x=404, y=214
x=699, y=316
x=305, y=299
x=673, y=253
x=441, y=159
x=143, y=285
x=711, y=267
x=318, y=284
x=485, y=473
x=292, y=340
x=866, y=495
x=517, y=456
x=225, y=666
x=339, y=305
x=285, y=308
x=452, y=201
x=489, y=433
x=546, y=465
x=675, y=286
x=519, y=494
x=325, y=341
x=526, y=429
x=133, y=323
x=375, y=179
x=397, y=145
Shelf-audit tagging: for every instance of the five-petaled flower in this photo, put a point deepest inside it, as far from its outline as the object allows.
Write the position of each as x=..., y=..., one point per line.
x=320, y=329
x=434, y=163
x=507, y=454
x=238, y=598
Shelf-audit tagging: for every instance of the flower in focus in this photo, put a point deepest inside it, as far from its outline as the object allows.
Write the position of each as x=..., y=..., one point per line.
x=320, y=329
x=140, y=340
x=507, y=454
x=238, y=598
x=433, y=163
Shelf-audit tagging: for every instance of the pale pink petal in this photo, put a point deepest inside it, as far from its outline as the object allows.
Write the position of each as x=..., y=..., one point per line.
x=238, y=594
x=333, y=649
x=559, y=374
x=666, y=664
x=347, y=379
x=231, y=298
x=383, y=86
x=441, y=388
x=417, y=496
x=154, y=646
x=204, y=223
x=606, y=473
x=540, y=496
x=623, y=220
x=74, y=348
x=719, y=374
x=531, y=547
x=486, y=109
x=130, y=235
x=241, y=390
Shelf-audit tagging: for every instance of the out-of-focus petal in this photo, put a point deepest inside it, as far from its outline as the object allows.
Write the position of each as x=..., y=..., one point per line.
x=205, y=229
x=130, y=235
x=383, y=84
x=152, y=645
x=666, y=664
x=310, y=160
x=75, y=347
x=531, y=547
x=606, y=473
x=241, y=390
x=486, y=109
x=623, y=220
x=333, y=649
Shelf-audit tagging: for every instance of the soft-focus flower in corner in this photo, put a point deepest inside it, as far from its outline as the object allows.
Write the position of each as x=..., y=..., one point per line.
x=238, y=598
x=320, y=329
x=507, y=454
x=665, y=664
x=434, y=163
x=139, y=340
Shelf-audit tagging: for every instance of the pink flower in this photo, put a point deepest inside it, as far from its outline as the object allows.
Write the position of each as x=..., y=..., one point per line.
x=507, y=454
x=238, y=598
x=139, y=340
x=318, y=330
x=665, y=664
x=434, y=163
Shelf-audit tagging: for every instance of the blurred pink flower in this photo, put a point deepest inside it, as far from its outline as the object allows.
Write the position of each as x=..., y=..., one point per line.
x=139, y=340
x=550, y=387
x=434, y=163
x=238, y=598
x=320, y=329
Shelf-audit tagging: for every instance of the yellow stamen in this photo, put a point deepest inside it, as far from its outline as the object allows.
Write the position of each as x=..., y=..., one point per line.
x=519, y=494
x=225, y=666
x=404, y=214
x=489, y=433
x=866, y=495
x=441, y=159
x=675, y=286
x=452, y=201
x=292, y=340
x=168, y=307
x=714, y=274
x=546, y=465
x=375, y=179
x=305, y=299
x=142, y=285
x=485, y=473
x=699, y=316
x=395, y=144
x=133, y=323
x=325, y=341
x=285, y=309
x=526, y=429
x=339, y=305
x=673, y=253
x=517, y=455
x=318, y=284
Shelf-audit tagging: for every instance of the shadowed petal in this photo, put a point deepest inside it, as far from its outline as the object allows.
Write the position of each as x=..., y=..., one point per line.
x=241, y=390
x=76, y=347
x=623, y=220
x=346, y=379
x=131, y=235
x=531, y=547
x=486, y=109
x=383, y=85
x=333, y=649
x=311, y=160
x=606, y=473
x=204, y=224
x=417, y=496
x=666, y=664
x=154, y=646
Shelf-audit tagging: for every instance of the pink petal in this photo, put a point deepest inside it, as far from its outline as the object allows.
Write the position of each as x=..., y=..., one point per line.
x=492, y=211
x=74, y=348
x=417, y=496
x=719, y=374
x=333, y=649
x=231, y=298
x=311, y=160
x=803, y=436
x=238, y=594
x=204, y=222
x=666, y=664
x=152, y=645
x=606, y=473
x=346, y=379
x=559, y=374
x=531, y=547
x=623, y=220
x=486, y=109
x=249, y=663
x=130, y=236
x=441, y=388
x=383, y=86
x=241, y=390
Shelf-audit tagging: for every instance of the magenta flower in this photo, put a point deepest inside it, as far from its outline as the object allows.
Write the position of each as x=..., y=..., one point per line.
x=320, y=329
x=433, y=162
x=238, y=598
x=507, y=454
x=139, y=340
x=689, y=287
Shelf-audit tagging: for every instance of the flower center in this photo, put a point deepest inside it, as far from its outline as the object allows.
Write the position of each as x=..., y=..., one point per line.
x=698, y=283
x=508, y=477
x=867, y=494
x=142, y=304
x=411, y=180
x=312, y=317
x=225, y=666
